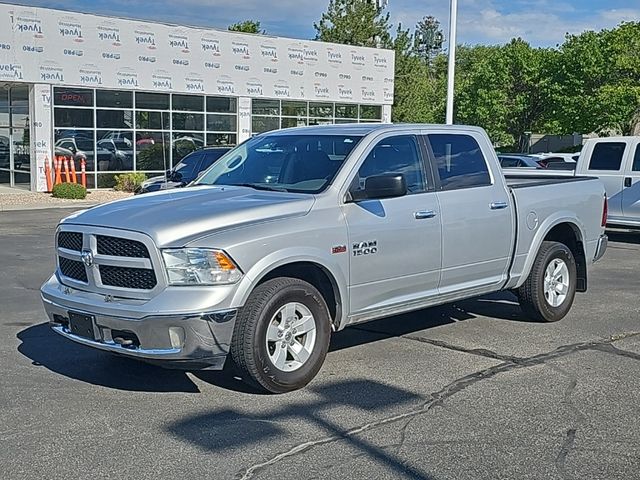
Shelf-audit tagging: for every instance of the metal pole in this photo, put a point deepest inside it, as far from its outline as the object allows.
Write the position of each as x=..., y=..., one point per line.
x=451, y=75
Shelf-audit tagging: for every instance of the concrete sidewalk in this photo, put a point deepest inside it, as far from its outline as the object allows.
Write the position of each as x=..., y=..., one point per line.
x=12, y=199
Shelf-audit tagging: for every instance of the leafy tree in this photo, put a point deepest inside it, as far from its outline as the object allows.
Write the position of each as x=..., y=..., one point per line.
x=354, y=22
x=247, y=26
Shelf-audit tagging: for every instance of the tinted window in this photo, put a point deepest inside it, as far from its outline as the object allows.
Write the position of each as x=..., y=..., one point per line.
x=191, y=103
x=188, y=166
x=607, y=156
x=636, y=160
x=395, y=155
x=460, y=161
x=155, y=101
x=510, y=162
x=73, y=117
x=114, y=98
x=75, y=97
x=211, y=156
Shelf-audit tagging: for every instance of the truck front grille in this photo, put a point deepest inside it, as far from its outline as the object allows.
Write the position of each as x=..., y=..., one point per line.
x=104, y=262
x=73, y=269
x=70, y=241
x=124, y=277
x=121, y=247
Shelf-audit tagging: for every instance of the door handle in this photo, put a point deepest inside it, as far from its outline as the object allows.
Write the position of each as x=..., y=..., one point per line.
x=498, y=205
x=628, y=181
x=423, y=214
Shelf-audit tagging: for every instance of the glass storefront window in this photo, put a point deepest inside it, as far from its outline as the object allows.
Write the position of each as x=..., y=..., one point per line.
x=20, y=96
x=294, y=109
x=321, y=110
x=72, y=97
x=188, y=121
x=347, y=111
x=114, y=150
x=152, y=120
x=370, y=112
x=264, y=124
x=184, y=143
x=293, y=122
x=114, y=99
x=73, y=117
x=222, y=104
x=152, y=151
x=80, y=144
x=152, y=101
x=265, y=107
x=188, y=103
x=221, y=139
x=221, y=123
x=114, y=119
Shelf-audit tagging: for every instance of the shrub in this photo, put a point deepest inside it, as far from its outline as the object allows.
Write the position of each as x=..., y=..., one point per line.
x=69, y=190
x=128, y=182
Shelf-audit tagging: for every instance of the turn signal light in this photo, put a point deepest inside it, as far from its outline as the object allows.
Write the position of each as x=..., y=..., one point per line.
x=605, y=211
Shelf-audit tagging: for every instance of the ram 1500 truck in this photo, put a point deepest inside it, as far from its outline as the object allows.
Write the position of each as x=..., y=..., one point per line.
x=301, y=232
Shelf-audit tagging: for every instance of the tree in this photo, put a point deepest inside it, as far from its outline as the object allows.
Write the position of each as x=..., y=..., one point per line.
x=428, y=38
x=247, y=26
x=354, y=22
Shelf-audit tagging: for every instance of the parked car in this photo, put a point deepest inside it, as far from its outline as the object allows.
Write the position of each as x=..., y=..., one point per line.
x=616, y=162
x=358, y=222
x=557, y=161
x=121, y=155
x=184, y=172
x=83, y=148
x=517, y=161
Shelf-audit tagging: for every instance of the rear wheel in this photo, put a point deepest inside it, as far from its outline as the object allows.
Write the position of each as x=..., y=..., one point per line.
x=281, y=336
x=549, y=291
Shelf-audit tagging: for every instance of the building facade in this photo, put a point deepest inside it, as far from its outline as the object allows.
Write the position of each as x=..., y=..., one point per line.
x=126, y=95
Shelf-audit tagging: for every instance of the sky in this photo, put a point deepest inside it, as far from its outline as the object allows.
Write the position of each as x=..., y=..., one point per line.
x=540, y=22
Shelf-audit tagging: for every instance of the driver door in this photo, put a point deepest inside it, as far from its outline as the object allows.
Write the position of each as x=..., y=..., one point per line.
x=394, y=243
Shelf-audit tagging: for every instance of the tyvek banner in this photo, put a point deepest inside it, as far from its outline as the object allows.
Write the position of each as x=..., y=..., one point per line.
x=49, y=46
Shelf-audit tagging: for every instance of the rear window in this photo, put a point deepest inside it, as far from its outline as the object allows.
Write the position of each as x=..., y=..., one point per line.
x=460, y=161
x=607, y=156
x=636, y=160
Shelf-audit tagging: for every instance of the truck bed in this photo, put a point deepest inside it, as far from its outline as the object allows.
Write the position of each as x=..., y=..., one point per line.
x=522, y=181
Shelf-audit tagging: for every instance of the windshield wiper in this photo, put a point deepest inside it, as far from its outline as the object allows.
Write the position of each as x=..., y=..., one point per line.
x=258, y=186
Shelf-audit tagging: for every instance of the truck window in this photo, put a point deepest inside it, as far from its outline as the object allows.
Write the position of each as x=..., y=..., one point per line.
x=636, y=160
x=607, y=156
x=395, y=155
x=460, y=161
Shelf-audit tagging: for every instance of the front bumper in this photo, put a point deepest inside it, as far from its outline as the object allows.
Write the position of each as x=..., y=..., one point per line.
x=601, y=248
x=189, y=340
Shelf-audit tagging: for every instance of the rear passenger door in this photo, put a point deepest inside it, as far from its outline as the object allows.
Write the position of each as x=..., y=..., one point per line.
x=631, y=192
x=476, y=213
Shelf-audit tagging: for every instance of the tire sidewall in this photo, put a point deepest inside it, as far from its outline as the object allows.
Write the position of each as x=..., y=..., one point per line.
x=277, y=379
x=550, y=313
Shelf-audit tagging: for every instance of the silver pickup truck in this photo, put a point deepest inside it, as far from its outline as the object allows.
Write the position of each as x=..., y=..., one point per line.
x=301, y=232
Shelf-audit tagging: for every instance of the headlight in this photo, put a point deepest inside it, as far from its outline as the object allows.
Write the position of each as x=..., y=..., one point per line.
x=200, y=266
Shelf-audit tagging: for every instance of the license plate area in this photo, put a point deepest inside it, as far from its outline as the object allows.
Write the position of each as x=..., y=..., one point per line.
x=82, y=325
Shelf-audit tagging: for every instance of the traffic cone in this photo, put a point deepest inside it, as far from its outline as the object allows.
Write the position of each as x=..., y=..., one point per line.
x=58, y=166
x=47, y=173
x=66, y=170
x=74, y=178
x=83, y=172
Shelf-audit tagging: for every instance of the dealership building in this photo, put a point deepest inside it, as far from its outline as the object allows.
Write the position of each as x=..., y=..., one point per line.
x=127, y=95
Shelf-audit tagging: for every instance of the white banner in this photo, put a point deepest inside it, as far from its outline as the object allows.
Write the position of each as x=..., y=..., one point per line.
x=49, y=46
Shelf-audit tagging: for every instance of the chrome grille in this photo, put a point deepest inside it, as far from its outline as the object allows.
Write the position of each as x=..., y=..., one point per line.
x=124, y=277
x=121, y=247
x=70, y=241
x=73, y=269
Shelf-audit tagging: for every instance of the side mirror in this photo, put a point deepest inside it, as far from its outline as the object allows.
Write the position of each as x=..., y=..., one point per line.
x=382, y=186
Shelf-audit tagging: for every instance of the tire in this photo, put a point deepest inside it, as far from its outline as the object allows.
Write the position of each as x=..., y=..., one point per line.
x=269, y=326
x=548, y=298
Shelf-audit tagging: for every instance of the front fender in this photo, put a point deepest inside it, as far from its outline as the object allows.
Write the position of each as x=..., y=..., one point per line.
x=541, y=232
x=285, y=257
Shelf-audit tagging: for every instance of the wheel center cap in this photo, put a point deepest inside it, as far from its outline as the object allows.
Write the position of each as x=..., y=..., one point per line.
x=287, y=337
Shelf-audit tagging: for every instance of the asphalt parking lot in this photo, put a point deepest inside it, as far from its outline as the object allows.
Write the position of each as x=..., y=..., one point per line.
x=464, y=391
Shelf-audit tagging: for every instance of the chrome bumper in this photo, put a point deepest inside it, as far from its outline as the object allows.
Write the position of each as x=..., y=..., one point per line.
x=603, y=242
x=190, y=341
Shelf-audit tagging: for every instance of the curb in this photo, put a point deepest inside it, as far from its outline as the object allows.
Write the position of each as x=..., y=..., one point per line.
x=18, y=208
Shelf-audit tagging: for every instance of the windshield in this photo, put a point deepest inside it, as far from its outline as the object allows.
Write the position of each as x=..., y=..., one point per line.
x=292, y=163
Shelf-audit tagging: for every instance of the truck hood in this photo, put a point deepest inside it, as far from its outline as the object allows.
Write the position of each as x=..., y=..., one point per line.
x=176, y=217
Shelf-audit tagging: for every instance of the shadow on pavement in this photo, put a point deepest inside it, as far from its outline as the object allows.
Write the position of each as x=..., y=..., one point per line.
x=229, y=429
x=64, y=357
x=624, y=236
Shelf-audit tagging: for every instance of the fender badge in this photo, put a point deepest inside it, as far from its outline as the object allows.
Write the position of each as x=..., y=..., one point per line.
x=339, y=249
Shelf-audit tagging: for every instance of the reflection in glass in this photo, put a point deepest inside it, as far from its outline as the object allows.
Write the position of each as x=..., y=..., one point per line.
x=321, y=110
x=185, y=143
x=152, y=151
x=120, y=148
x=347, y=111
x=188, y=103
x=293, y=122
x=21, y=149
x=188, y=121
x=73, y=117
x=294, y=109
x=73, y=97
x=152, y=120
x=222, y=104
x=80, y=145
x=20, y=96
x=114, y=119
x=221, y=123
x=264, y=124
x=114, y=98
x=265, y=107
x=22, y=180
x=371, y=112
x=152, y=101
x=5, y=155
x=221, y=139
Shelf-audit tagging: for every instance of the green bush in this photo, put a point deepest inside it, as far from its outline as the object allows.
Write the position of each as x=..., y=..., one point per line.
x=69, y=190
x=128, y=182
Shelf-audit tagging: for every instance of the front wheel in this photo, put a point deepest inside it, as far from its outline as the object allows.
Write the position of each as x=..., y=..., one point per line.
x=549, y=291
x=281, y=336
